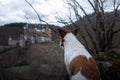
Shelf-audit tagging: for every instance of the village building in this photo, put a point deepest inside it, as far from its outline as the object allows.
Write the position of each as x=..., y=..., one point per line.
x=37, y=33
x=22, y=36
x=16, y=41
x=43, y=34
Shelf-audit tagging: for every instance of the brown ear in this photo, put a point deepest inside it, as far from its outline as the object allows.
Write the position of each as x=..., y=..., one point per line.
x=62, y=33
x=75, y=31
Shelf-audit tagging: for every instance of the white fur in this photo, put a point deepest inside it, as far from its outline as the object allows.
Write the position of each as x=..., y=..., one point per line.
x=73, y=48
x=78, y=76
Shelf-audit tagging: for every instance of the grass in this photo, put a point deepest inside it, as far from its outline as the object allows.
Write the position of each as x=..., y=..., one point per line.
x=44, y=60
x=112, y=72
x=109, y=57
x=21, y=69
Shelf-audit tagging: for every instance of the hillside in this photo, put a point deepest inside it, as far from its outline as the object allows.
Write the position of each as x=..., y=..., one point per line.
x=45, y=61
x=85, y=36
x=35, y=62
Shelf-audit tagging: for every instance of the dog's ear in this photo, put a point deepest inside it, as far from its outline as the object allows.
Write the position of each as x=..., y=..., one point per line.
x=62, y=33
x=75, y=31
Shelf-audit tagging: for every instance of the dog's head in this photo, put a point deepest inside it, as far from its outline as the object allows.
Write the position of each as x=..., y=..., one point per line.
x=63, y=34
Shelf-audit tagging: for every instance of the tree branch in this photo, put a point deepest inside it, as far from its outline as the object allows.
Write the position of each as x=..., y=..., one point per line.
x=92, y=5
x=27, y=19
x=40, y=17
x=116, y=31
x=35, y=11
x=118, y=6
x=115, y=16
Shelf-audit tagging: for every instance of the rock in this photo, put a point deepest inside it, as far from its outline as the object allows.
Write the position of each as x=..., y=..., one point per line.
x=104, y=66
x=107, y=64
x=114, y=51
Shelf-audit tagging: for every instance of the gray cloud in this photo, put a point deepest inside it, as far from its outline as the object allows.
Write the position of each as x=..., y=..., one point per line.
x=16, y=10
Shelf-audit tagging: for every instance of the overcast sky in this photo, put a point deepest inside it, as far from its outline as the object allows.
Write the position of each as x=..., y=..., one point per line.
x=16, y=10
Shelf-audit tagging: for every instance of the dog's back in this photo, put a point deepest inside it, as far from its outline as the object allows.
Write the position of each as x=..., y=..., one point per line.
x=81, y=67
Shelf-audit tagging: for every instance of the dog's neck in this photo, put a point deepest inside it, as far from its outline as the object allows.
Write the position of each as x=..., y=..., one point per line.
x=73, y=48
x=71, y=43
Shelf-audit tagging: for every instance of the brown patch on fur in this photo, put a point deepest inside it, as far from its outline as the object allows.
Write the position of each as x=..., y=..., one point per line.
x=87, y=68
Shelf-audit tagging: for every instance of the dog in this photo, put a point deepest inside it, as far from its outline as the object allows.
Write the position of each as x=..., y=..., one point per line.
x=79, y=63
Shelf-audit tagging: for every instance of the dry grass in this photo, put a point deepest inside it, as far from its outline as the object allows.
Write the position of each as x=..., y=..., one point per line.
x=36, y=62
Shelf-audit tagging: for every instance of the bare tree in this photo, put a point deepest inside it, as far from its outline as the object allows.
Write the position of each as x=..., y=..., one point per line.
x=39, y=16
x=104, y=36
